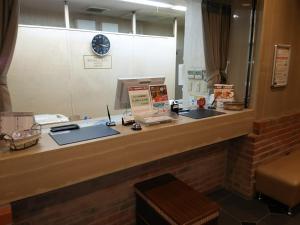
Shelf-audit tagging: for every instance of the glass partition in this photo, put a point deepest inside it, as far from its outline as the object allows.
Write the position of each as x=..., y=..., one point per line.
x=239, y=46
x=157, y=21
x=50, y=13
x=99, y=17
x=149, y=23
x=85, y=83
x=226, y=48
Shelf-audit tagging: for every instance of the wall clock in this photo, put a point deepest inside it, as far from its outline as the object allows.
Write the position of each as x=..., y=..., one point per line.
x=100, y=45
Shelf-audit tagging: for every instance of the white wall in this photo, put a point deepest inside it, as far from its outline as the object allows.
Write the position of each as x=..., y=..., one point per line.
x=193, y=56
x=47, y=74
x=193, y=43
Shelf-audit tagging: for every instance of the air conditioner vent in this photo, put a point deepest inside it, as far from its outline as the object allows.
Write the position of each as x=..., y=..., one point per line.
x=96, y=10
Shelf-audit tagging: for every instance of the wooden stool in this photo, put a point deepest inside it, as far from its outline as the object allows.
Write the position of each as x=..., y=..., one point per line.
x=166, y=200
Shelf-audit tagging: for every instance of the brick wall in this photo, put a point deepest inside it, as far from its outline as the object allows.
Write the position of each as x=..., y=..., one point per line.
x=5, y=215
x=239, y=167
x=270, y=139
x=109, y=200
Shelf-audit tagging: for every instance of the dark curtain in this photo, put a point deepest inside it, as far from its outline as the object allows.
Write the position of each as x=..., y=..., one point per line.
x=9, y=11
x=216, y=29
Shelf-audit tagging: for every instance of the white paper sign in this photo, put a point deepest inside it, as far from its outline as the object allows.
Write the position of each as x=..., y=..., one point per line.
x=281, y=65
x=139, y=100
x=96, y=62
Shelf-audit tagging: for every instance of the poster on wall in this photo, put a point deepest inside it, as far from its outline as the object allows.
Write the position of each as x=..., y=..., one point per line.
x=281, y=65
x=96, y=62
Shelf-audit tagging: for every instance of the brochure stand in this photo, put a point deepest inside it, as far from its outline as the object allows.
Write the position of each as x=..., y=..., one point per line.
x=150, y=105
x=156, y=118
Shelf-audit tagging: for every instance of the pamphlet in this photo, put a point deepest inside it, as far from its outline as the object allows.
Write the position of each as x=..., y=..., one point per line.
x=139, y=100
x=223, y=93
x=159, y=96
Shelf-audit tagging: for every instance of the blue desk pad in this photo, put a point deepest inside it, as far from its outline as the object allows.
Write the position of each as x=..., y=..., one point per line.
x=200, y=113
x=82, y=134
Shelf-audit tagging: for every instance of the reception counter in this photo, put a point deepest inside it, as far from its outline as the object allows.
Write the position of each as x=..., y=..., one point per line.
x=48, y=166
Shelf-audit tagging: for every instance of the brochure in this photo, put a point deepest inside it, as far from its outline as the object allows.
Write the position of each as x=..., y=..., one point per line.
x=224, y=93
x=159, y=97
x=139, y=100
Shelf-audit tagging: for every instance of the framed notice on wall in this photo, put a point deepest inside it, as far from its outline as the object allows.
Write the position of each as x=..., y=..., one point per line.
x=96, y=62
x=281, y=65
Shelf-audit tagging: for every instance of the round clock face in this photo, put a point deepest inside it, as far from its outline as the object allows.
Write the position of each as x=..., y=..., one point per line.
x=100, y=45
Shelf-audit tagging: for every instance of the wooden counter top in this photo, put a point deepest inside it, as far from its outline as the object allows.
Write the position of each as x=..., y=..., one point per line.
x=48, y=166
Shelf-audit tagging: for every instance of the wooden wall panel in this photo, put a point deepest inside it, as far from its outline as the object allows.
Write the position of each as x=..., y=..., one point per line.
x=279, y=26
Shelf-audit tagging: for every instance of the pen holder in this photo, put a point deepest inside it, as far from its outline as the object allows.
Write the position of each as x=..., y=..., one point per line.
x=110, y=123
x=175, y=107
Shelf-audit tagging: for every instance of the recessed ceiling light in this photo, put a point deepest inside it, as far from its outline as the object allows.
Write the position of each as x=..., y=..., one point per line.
x=179, y=8
x=157, y=4
x=246, y=4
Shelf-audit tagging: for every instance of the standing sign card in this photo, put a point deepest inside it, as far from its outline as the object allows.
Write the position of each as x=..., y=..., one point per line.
x=139, y=100
x=159, y=96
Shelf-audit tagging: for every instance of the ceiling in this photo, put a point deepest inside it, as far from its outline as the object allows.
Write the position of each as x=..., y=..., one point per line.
x=114, y=8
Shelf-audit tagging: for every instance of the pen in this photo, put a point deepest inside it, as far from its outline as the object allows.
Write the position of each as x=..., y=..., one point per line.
x=109, y=123
x=108, y=113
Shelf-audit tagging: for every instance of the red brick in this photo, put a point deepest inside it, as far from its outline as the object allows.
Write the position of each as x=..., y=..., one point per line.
x=5, y=215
